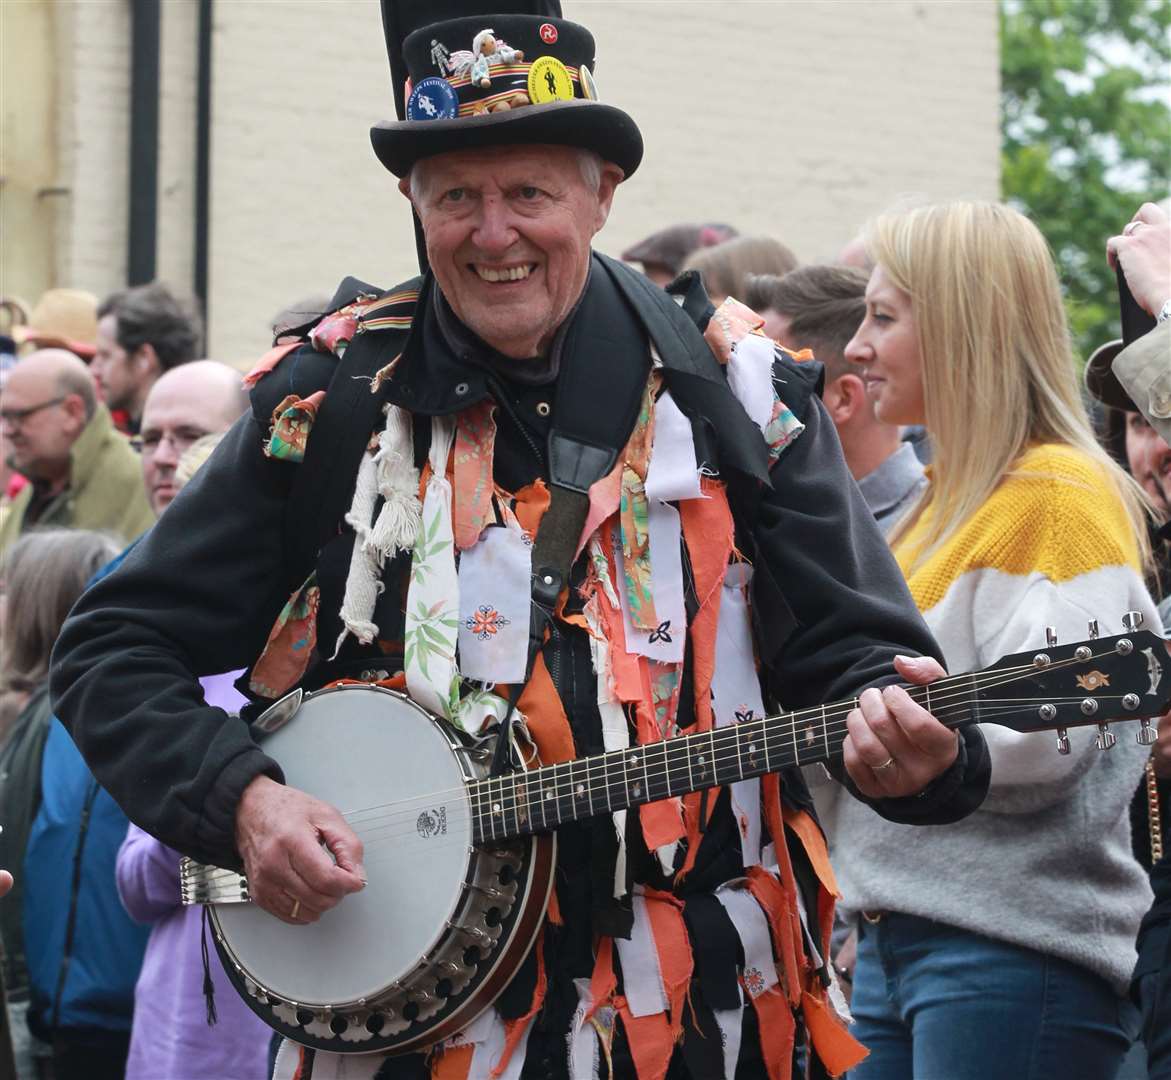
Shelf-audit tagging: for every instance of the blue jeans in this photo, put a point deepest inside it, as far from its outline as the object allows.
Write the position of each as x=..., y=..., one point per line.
x=933, y=1002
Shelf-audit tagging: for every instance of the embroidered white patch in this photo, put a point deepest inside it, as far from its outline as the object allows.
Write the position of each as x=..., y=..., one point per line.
x=760, y=970
x=494, y=583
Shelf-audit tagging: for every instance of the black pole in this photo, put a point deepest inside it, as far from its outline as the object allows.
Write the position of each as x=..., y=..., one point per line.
x=203, y=157
x=144, y=140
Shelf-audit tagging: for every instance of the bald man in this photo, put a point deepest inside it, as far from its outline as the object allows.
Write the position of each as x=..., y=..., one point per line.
x=204, y=397
x=82, y=473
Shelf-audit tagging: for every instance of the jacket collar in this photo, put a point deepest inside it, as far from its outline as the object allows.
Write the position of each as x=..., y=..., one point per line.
x=86, y=454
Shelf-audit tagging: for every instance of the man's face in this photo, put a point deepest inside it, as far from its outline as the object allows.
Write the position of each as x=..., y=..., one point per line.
x=179, y=409
x=1149, y=458
x=508, y=235
x=118, y=376
x=39, y=424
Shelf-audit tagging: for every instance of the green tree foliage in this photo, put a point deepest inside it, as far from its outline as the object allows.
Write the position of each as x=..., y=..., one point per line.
x=1086, y=134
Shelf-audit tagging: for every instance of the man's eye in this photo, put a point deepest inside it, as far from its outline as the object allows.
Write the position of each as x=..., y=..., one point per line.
x=454, y=195
x=529, y=192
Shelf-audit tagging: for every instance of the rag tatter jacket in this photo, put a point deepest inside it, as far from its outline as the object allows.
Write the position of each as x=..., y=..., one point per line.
x=200, y=594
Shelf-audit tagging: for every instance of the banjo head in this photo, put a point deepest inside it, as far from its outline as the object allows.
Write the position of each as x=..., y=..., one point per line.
x=441, y=926
x=388, y=766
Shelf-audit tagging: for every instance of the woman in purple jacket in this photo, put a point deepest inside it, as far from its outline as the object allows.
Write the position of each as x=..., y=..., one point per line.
x=170, y=1039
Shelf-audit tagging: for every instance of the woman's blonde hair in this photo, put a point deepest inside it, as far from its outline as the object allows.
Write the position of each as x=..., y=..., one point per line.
x=998, y=371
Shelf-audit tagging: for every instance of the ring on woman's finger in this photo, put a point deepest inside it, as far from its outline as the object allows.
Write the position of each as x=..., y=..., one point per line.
x=1130, y=226
x=885, y=765
x=296, y=909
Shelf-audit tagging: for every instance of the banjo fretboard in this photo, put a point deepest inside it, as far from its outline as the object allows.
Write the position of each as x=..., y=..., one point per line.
x=526, y=802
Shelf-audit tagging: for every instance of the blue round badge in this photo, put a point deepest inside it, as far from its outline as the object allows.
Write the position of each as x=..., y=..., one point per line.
x=433, y=99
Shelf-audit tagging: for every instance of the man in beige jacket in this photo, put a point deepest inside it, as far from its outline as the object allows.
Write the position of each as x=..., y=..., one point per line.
x=82, y=473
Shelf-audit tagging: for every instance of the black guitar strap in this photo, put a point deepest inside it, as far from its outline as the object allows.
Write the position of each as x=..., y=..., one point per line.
x=604, y=366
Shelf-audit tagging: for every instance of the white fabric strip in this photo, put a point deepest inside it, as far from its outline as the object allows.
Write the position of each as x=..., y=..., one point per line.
x=585, y=1050
x=736, y=696
x=750, y=375
x=432, y=614
x=642, y=980
x=673, y=473
x=731, y=1023
x=326, y=1066
x=494, y=584
x=615, y=735
x=760, y=969
x=666, y=643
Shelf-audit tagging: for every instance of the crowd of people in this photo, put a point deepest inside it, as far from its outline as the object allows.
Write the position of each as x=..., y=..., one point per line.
x=911, y=478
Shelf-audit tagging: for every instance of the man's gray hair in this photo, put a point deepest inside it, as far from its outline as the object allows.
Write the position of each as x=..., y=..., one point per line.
x=589, y=164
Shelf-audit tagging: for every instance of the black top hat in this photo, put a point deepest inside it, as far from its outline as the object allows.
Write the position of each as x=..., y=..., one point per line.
x=498, y=80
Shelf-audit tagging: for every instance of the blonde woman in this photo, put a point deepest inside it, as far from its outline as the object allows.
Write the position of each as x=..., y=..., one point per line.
x=1002, y=945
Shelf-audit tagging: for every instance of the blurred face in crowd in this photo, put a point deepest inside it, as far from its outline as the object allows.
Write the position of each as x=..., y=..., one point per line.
x=1149, y=458
x=508, y=235
x=122, y=378
x=38, y=422
x=186, y=403
x=888, y=344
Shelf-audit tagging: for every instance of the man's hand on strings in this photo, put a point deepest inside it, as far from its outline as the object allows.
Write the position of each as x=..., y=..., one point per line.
x=279, y=834
x=894, y=746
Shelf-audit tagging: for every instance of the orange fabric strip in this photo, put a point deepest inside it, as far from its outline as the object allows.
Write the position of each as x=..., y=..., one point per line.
x=662, y=820
x=813, y=840
x=672, y=944
x=651, y=1041
x=553, y=911
x=475, y=443
x=453, y=1063
x=270, y=360
x=531, y=503
x=515, y=1029
x=603, y=981
x=605, y=499
x=778, y=1029
x=548, y=724
x=300, y=1073
x=837, y=1048
x=780, y=905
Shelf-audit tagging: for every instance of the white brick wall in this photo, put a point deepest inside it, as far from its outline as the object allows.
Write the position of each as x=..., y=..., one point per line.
x=796, y=119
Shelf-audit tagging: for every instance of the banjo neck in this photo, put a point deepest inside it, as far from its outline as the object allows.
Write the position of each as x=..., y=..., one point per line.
x=521, y=803
x=1076, y=685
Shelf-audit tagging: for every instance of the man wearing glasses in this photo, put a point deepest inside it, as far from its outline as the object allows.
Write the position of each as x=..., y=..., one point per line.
x=82, y=473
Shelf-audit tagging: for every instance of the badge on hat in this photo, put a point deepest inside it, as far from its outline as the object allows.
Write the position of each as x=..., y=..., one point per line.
x=433, y=99
x=589, y=89
x=549, y=80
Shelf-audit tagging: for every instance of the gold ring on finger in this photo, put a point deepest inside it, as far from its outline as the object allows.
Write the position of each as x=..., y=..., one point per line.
x=296, y=909
x=885, y=765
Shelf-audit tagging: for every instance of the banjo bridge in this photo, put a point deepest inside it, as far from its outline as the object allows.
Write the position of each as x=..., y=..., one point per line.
x=201, y=883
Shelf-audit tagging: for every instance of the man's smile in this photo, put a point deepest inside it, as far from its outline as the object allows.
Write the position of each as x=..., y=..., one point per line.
x=503, y=273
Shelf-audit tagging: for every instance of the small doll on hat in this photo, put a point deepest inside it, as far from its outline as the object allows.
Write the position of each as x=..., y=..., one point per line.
x=486, y=53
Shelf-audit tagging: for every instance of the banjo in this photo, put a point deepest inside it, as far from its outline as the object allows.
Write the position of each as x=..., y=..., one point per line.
x=460, y=862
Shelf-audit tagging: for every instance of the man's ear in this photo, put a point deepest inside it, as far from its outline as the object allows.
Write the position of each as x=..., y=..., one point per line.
x=146, y=359
x=404, y=185
x=611, y=177
x=74, y=406
x=845, y=397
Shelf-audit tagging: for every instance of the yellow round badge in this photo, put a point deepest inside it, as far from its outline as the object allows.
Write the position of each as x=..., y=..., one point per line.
x=549, y=81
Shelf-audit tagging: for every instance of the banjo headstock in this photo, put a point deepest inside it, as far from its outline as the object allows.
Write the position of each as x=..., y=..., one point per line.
x=1126, y=677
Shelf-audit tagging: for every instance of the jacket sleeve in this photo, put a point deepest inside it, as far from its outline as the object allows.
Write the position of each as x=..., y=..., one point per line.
x=197, y=595
x=148, y=877
x=849, y=612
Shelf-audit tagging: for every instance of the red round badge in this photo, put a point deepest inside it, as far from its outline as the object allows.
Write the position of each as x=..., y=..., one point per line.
x=548, y=33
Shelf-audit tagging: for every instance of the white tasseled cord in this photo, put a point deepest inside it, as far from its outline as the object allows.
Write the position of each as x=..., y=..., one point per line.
x=391, y=473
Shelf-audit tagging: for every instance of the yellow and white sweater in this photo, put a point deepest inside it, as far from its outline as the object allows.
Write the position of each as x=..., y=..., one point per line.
x=1046, y=862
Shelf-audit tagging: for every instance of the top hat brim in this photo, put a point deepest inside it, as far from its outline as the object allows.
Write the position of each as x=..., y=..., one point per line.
x=1101, y=381
x=590, y=125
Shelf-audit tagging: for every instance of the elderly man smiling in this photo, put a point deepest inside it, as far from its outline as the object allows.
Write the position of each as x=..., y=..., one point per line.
x=580, y=500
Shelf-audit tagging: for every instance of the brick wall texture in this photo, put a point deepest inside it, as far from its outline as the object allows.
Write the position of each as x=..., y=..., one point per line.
x=793, y=119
